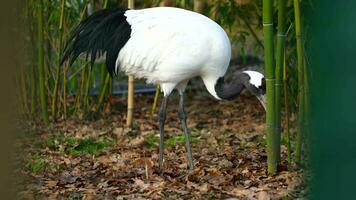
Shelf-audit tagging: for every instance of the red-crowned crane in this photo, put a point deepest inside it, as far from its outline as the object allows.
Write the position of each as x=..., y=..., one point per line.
x=165, y=46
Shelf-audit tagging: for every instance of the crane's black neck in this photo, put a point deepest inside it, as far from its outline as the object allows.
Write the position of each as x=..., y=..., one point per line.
x=232, y=90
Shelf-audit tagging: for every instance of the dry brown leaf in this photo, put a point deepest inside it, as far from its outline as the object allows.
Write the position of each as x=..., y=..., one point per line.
x=51, y=183
x=203, y=188
x=263, y=196
x=141, y=184
x=137, y=141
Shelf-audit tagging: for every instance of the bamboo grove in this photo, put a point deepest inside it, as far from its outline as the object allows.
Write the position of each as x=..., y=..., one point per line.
x=56, y=92
x=275, y=66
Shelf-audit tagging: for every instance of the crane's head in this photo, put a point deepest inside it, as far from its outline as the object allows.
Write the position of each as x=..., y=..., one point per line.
x=252, y=81
x=257, y=86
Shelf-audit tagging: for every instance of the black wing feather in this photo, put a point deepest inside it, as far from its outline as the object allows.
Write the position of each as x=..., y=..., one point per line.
x=105, y=32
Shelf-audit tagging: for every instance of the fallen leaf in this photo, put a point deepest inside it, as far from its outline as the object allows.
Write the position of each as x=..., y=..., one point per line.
x=263, y=196
x=141, y=184
x=51, y=183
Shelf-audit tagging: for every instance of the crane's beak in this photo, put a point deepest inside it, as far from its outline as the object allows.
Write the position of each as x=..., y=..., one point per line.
x=262, y=99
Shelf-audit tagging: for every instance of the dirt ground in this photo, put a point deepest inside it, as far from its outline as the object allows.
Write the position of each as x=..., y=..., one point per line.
x=101, y=159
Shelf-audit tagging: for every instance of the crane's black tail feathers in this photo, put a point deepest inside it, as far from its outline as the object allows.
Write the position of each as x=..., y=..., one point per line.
x=103, y=33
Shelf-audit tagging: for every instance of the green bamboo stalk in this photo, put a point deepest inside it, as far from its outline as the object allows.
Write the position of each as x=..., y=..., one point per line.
x=81, y=90
x=86, y=92
x=105, y=77
x=287, y=135
x=300, y=81
x=272, y=137
x=56, y=84
x=105, y=4
x=79, y=102
x=110, y=87
x=102, y=92
x=48, y=52
x=41, y=78
x=155, y=100
x=64, y=89
x=281, y=40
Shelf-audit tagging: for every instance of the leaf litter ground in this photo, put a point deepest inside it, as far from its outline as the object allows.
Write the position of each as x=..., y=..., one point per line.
x=101, y=159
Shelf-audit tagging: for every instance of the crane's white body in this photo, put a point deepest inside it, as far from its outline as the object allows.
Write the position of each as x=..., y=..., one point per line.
x=169, y=46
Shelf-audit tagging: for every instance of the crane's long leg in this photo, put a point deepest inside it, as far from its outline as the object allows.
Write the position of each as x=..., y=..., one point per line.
x=162, y=118
x=183, y=119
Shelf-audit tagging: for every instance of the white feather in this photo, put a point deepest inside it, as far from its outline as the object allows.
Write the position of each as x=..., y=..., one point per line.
x=169, y=46
x=255, y=78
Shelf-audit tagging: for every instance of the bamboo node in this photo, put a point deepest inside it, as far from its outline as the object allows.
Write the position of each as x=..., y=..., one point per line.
x=272, y=126
x=267, y=24
x=298, y=37
x=281, y=34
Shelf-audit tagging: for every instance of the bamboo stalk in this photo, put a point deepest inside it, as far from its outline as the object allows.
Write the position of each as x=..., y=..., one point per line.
x=106, y=79
x=281, y=40
x=289, y=157
x=47, y=9
x=272, y=137
x=130, y=96
x=87, y=75
x=80, y=100
x=166, y=3
x=105, y=4
x=56, y=83
x=300, y=82
x=41, y=78
x=64, y=88
x=155, y=100
x=86, y=90
x=130, y=102
x=81, y=90
x=199, y=6
x=65, y=68
x=102, y=92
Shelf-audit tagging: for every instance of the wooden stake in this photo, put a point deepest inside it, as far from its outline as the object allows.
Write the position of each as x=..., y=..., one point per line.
x=130, y=96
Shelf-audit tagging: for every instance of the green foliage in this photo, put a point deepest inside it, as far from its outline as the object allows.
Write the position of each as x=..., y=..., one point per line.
x=87, y=146
x=77, y=147
x=37, y=165
x=152, y=140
